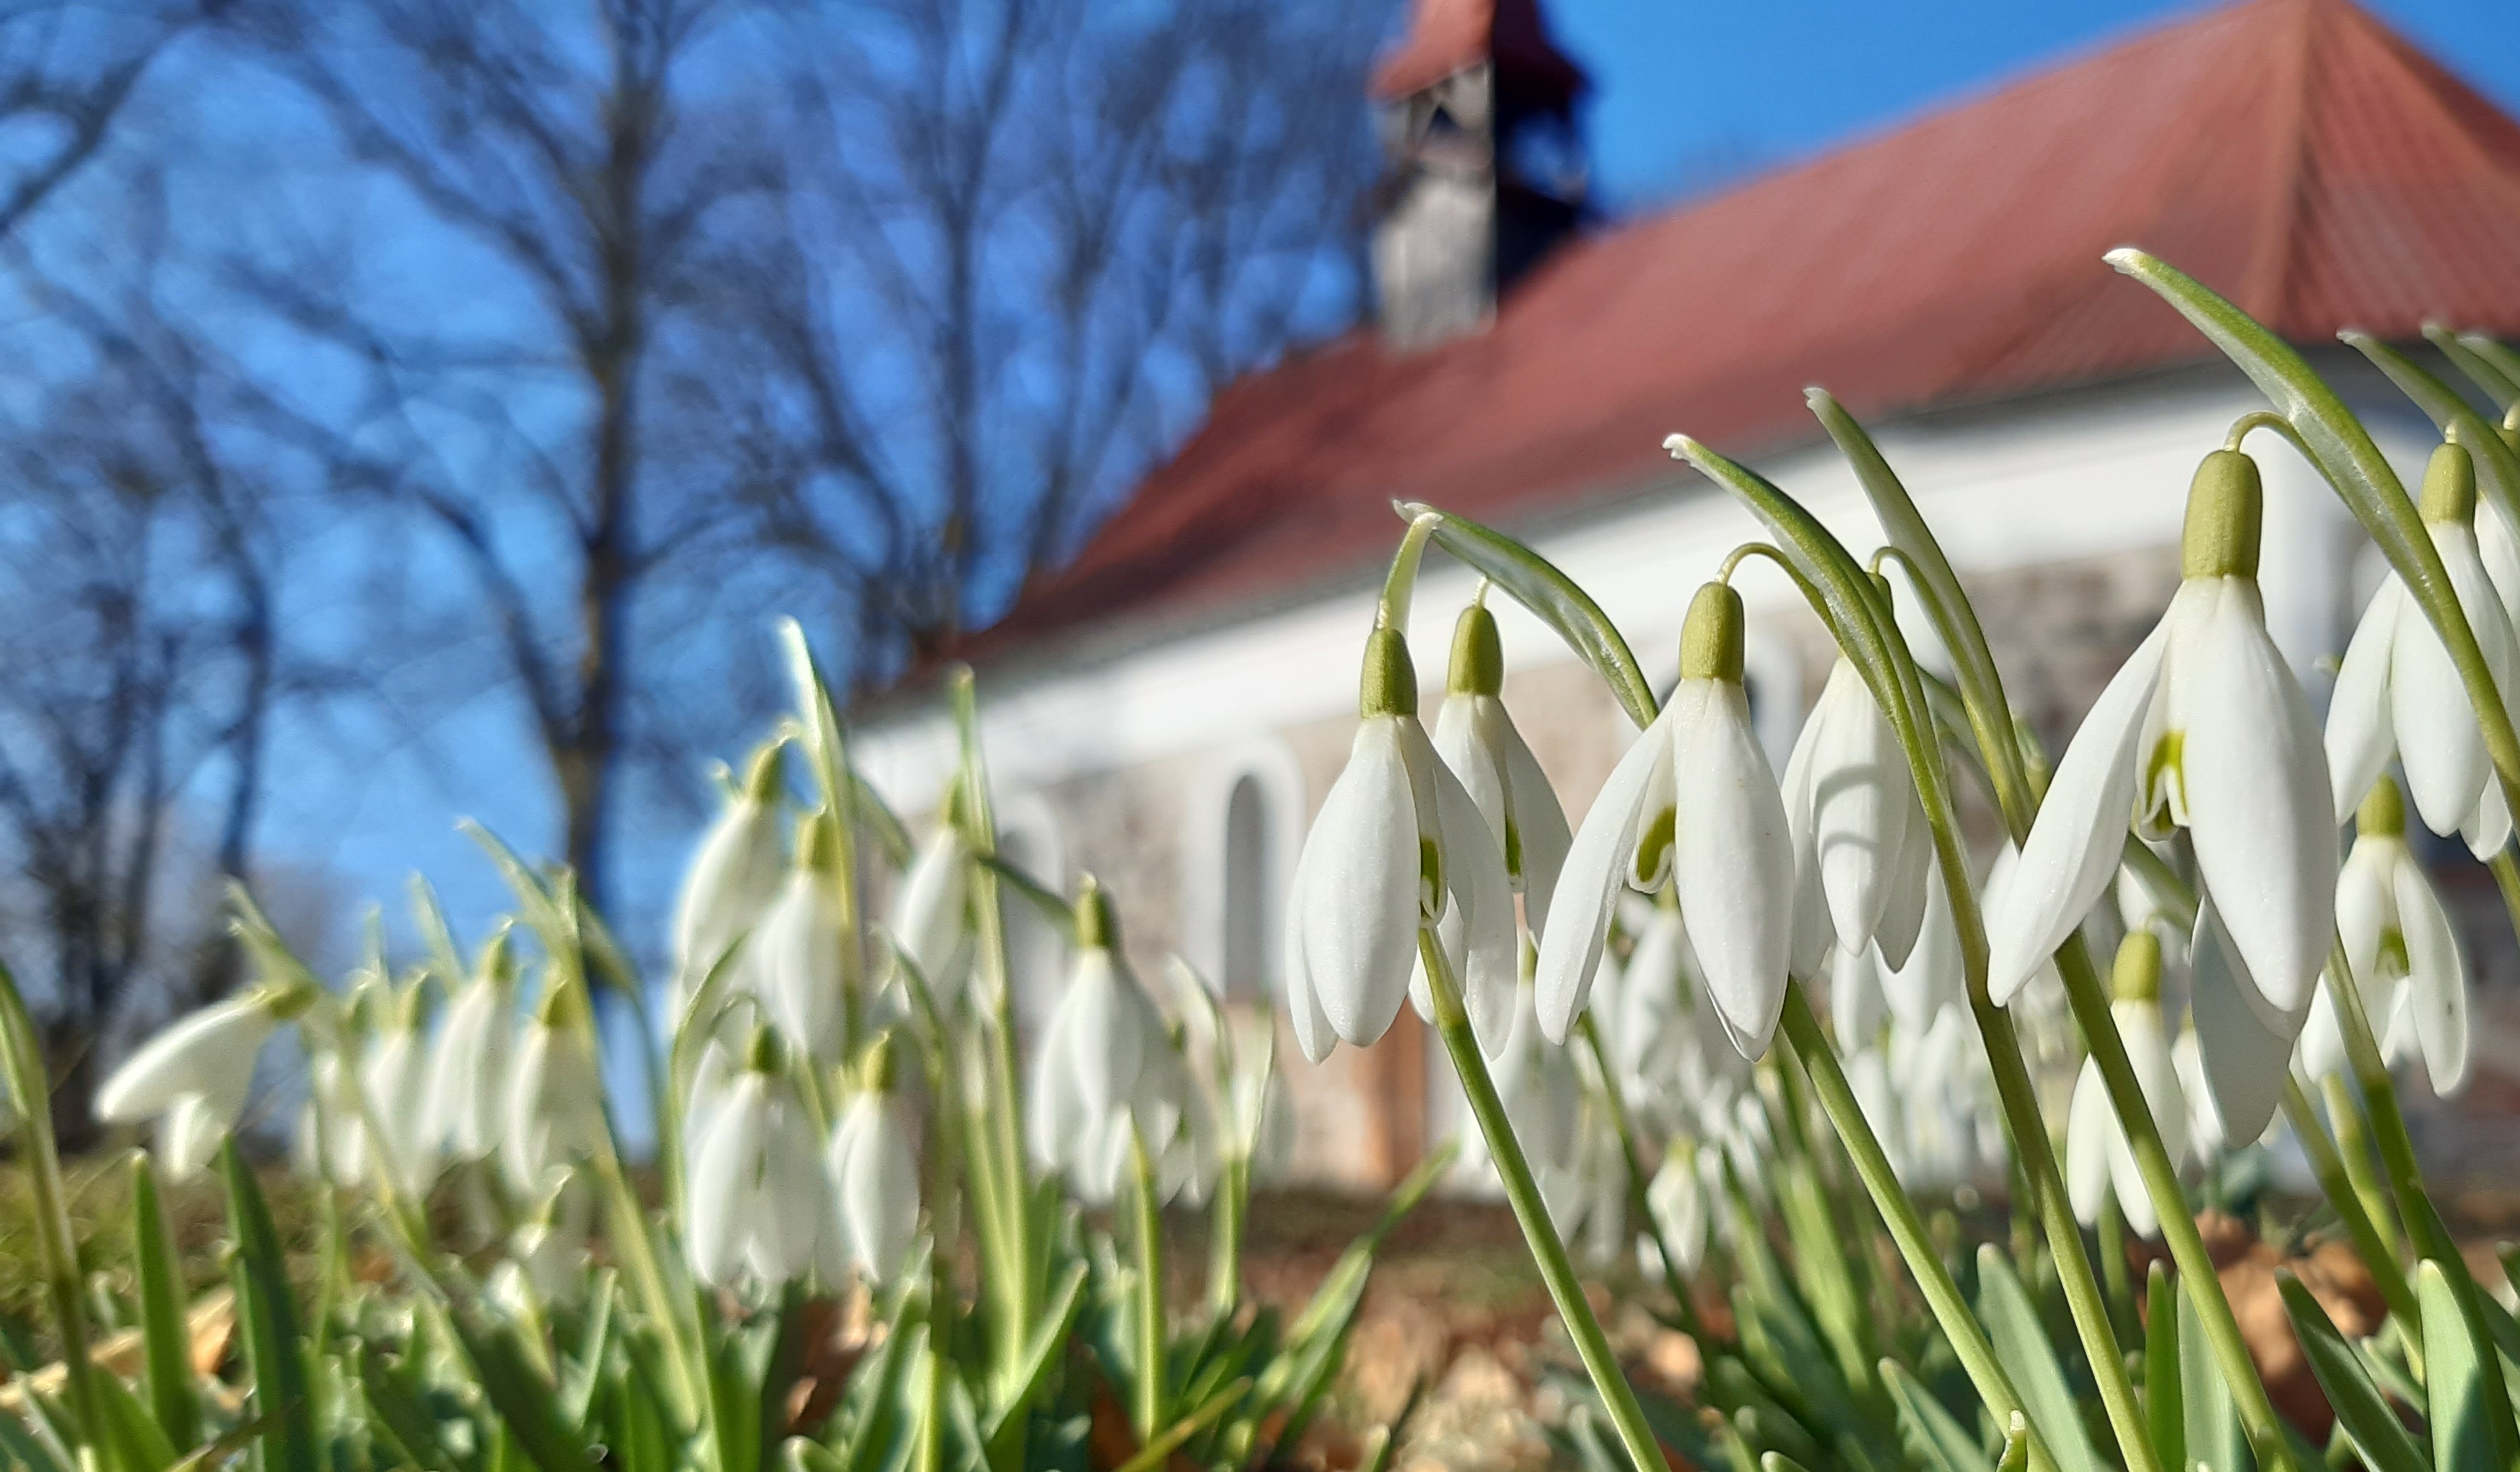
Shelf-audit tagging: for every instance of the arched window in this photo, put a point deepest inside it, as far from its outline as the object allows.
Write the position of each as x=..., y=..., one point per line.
x=1248, y=972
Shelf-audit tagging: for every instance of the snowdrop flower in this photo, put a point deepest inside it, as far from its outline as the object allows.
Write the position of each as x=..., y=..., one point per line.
x=930, y=917
x=2099, y=1160
x=760, y=1205
x=1694, y=799
x=2203, y=729
x=546, y=1255
x=461, y=1111
x=1935, y=974
x=1478, y=742
x=1543, y=1094
x=733, y=875
x=2206, y=1139
x=1398, y=844
x=796, y=966
x=194, y=1076
x=330, y=1143
x=555, y=1104
x=2404, y=950
x=1261, y=1119
x=2243, y=1045
x=875, y=1177
x=1105, y=1041
x=1586, y=1195
x=394, y=1073
x=2397, y=692
x=1677, y=1197
x=1863, y=851
x=1859, y=1006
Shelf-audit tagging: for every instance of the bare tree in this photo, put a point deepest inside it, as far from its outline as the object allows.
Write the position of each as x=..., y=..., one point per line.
x=563, y=156
x=1019, y=244
x=66, y=70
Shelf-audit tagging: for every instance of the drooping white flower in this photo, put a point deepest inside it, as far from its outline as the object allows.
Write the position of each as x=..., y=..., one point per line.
x=194, y=1076
x=394, y=1073
x=2203, y=729
x=1694, y=799
x=2398, y=693
x=930, y=916
x=1859, y=1006
x=330, y=1143
x=1661, y=1038
x=1677, y=1196
x=796, y=964
x=760, y=1205
x=1860, y=842
x=875, y=1176
x=2243, y=1044
x=2099, y=1160
x=464, y=1106
x=554, y=1105
x=1477, y=739
x=2404, y=953
x=734, y=874
x=546, y=1255
x=1095, y=1059
x=1397, y=844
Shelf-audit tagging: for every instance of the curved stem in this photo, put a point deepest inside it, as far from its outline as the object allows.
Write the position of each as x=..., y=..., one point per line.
x=2329, y=1166
x=1150, y=1227
x=1531, y=1212
x=2268, y=420
x=1899, y=1212
x=2354, y=1157
x=22, y=1057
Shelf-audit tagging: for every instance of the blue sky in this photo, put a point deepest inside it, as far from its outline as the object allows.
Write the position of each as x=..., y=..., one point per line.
x=1685, y=93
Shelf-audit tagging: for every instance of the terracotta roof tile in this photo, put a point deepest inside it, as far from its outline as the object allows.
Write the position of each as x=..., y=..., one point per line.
x=2294, y=154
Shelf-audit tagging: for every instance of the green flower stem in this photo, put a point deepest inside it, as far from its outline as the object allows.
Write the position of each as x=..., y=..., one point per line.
x=2506, y=878
x=1899, y=1212
x=29, y=1091
x=2396, y=1147
x=2377, y=1256
x=2354, y=1157
x=1149, y=1225
x=2113, y=1271
x=1556, y=1271
x=1639, y=1198
x=1225, y=1236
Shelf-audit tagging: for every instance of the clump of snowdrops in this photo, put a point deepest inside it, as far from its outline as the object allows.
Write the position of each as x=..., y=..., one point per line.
x=2172, y=962
x=880, y=1238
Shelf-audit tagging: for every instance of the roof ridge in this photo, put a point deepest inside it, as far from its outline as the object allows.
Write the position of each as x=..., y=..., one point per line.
x=2267, y=286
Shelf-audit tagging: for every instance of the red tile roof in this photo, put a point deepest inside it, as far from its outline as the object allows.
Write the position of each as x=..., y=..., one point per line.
x=2295, y=155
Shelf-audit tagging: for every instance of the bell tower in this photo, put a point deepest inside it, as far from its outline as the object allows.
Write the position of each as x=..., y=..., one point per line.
x=1484, y=164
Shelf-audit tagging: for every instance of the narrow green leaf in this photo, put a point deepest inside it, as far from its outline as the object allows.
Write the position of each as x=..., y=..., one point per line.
x=23, y=1448
x=2164, y=1401
x=1778, y=1461
x=2479, y=369
x=577, y=1384
x=2498, y=466
x=2021, y=1341
x=1932, y=1435
x=2453, y=1378
x=1042, y=1351
x=167, y=1341
x=1052, y=907
x=273, y=1352
x=397, y=1412
x=1155, y=1452
x=1552, y=596
x=2377, y=1432
x=137, y=1442
x=527, y=1405
x=2214, y=1434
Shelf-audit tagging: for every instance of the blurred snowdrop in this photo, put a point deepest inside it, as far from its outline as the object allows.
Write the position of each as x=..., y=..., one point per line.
x=930, y=916
x=2206, y=1137
x=1863, y=851
x=2404, y=953
x=2205, y=730
x=873, y=1170
x=1478, y=742
x=555, y=1104
x=330, y=1142
x=734, y=874
x=547, y=1255
x=2098, y=1161
x=194, y=1076
x=1543, y=1094
x=1099, y=1071
x=796, y=957
x=467, y=1070
x=1677, y=1197
x=1858, y=1006
x=394, y=1075
x=1398, y=844
x=1587, y=1194
x=760, y=1208
x=2399, y=693
x=1694, y=799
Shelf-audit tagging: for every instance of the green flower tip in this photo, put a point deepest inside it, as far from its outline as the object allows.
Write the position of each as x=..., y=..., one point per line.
x=817, y=846
x=767, y=1055
x=1097, y=927
x=875, y=1068
x=1478, y=657
x=1389, y=687
x=2383, y=813
x=2225, y=505
x=287, y=1000
x=1710, y=641
x=767, y=774
x=2136, y=976
x=2450, y=488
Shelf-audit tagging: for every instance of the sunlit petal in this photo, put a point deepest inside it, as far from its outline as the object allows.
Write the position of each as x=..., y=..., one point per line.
x=1589, y=884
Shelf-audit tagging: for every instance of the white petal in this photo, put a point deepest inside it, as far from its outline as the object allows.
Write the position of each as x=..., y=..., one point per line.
x=930, y=913
x=1855, y=1005
x=2244, y=1056
x=1483, y=940
x=1104, y=1045
x=2436, y=991
x=2260, y=802
x=878, y=1187
x=1362, y=886
x=1539, y=830
x=2360, y=737
x=2206, y=1135
x=1732, y=859
x=1859, y=805
x=2088, y=1126
x=1813, y=934
x=212, y=1051
x=1463, y=737
x=2438, y=738
x=799, y=963
x=1589, y=884
x=1902, y=911
x=734, y=874
x=2081, y=829
x=1935, y=973
x=1312, y=1030
x=721, y=1175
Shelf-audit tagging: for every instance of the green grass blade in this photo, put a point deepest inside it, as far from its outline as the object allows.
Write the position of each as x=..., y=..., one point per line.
x=173, y=1397
x=2453, y=1378
x=1933, y=1435
x=274, y=1351
x=2164, y=1390
x=2379, y=1435
x=2021, y=1340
